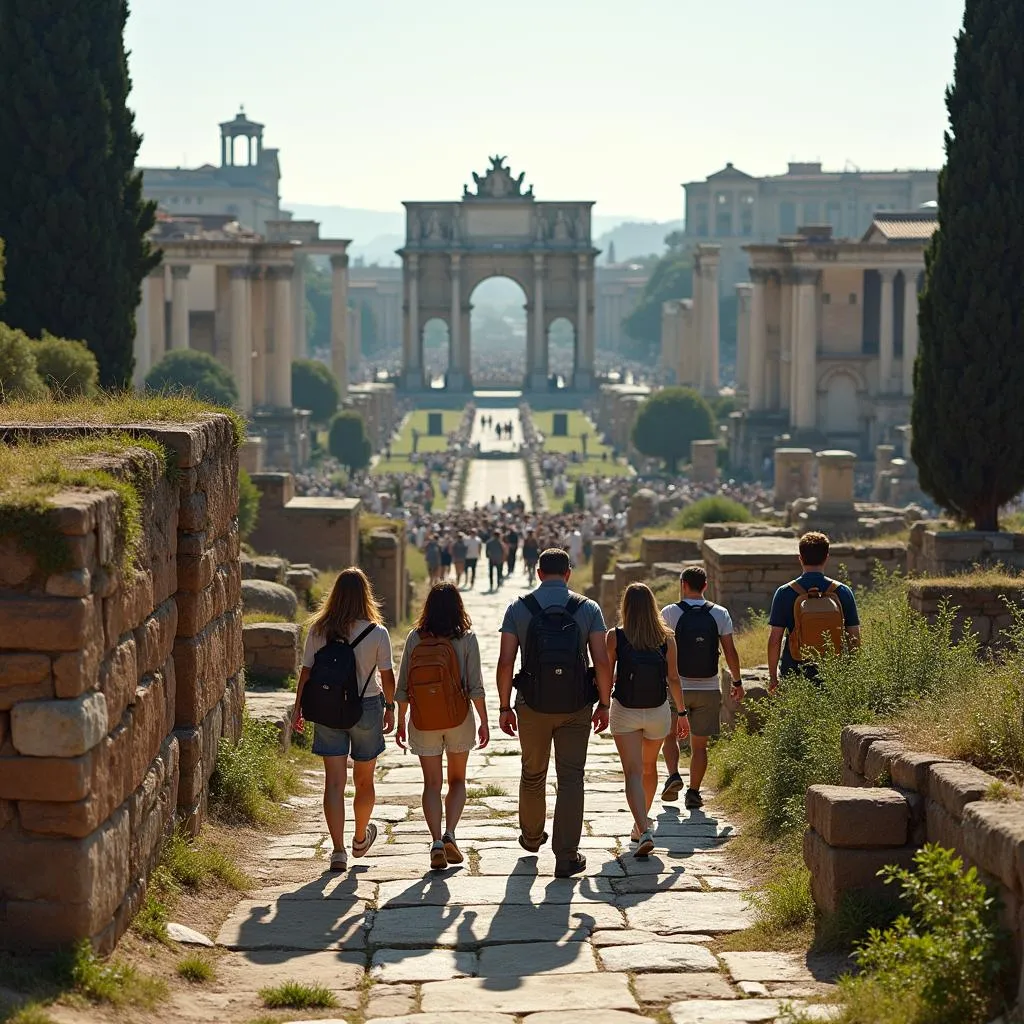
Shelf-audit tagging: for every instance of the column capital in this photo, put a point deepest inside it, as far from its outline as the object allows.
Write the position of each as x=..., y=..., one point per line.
x=280, y=273
x=240, y=272
x=801, y=275
x=912, y=273
x=157, y=273
x=762, y=275
x=339, y=261
x=180, y=272
x=888, y=274
x=538, y=262
x=455, y=258
x=412, y=261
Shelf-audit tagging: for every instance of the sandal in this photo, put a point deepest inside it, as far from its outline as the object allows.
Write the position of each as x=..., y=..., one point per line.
x=438, y=860
x=646, y=847
x=363, y=848
x=451, y=849
x=634, y=836
x=339, y=860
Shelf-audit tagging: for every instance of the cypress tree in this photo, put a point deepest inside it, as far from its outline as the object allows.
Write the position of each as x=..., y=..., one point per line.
x=968, y=436
x=71, y=208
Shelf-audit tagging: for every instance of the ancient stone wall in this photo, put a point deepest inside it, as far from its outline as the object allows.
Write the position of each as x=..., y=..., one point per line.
x=936, y=552
x=323, y=532
x=383, y=560
x=985, y=610
x=893, y=800
x=116, y=684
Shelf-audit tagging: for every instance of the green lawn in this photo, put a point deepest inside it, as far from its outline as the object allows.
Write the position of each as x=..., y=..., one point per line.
x=579, y=423
x=418, y=421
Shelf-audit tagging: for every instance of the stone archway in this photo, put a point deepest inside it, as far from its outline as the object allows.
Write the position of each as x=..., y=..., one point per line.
x=499, y=230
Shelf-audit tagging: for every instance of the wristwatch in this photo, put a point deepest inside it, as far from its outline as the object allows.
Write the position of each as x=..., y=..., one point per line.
x=389, y=707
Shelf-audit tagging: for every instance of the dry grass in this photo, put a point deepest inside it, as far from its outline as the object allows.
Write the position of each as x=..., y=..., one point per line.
x=975, y=578
x=752, y=641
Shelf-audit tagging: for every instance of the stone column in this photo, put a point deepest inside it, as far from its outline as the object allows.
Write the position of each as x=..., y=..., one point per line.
x=179, y=307
x=281, y=365
x=241, y=335
x=835, y=479
x=787, y=368
x=157, y=316
x=886, y=333
x=805, y=337
x=339, y=320
x=707, y=263
x=583, y=371
x=458, y=364
x=884, y=455
x=539, y=364
x=910, y=328
x=142, y=349
x=792, y=474
x=744, y=308
x=758, y=344
x=299, y=308
x=259, y=371
x=703, y=462
x=412, y=369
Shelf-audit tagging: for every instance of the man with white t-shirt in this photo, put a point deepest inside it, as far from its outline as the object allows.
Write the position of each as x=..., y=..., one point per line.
x=701, y=627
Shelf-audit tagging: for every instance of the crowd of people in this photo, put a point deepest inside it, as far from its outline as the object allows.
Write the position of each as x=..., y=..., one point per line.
x=653, y=680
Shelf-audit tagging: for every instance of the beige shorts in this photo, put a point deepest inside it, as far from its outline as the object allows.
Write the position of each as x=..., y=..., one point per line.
x=704, y=708
x=655, y=723
x=435, y=742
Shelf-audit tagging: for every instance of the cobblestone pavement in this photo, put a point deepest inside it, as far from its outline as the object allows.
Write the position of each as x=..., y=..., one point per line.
x=499, y=940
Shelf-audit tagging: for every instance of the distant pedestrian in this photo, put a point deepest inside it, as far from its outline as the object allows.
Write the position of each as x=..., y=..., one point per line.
x=495, y=551
x=472, y=557
x=348, y=649
x=511, y=550
x=441, y=680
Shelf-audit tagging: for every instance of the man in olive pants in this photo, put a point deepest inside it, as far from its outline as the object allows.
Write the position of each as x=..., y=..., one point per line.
x=538, y=731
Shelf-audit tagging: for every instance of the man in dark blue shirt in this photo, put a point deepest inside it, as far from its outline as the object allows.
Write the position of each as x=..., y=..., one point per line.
x=814, y=548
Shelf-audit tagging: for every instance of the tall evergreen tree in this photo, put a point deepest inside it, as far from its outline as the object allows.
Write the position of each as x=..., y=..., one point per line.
x=71, y=207
x=968, y=439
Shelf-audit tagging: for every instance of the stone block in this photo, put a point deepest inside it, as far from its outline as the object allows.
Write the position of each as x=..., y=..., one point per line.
x=148, y=722
x=942, y=827
x=154, y=638
x=59, y=728
x=994, y=840
x=878, y=761
x=128, y=606
x=5, y=727
x=855, y=742
x=73, y=583
x=82, y=551
x=78, y=671
x=858, y=818
x=24, y=677
x=910, y=770
x=954, y=785
x=275, y=598
x=47, y=623
x=195, y=572
x=202, y=665
x=119, y=676
x=836, y=871
x=46, y=778
x=192, y=512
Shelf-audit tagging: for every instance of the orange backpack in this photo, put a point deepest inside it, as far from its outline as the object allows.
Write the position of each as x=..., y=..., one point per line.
x=436, y=694
x=817, y=620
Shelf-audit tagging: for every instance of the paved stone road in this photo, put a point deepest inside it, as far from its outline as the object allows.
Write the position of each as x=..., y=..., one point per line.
x=499, y=940
x=498, y=478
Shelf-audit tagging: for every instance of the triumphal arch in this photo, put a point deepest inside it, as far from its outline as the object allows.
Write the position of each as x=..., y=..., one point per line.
x=498, y=230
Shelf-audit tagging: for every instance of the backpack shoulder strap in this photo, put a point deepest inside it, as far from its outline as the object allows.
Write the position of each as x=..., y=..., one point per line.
x=706, y=607
x=800, y=592
x=362, y=636
x=575, y=603
x=833, y=586
x=683, y=608
x=532, y=604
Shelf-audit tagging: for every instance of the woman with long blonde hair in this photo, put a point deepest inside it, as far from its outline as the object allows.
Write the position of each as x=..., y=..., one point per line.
x=643, y=655
x=351, y=614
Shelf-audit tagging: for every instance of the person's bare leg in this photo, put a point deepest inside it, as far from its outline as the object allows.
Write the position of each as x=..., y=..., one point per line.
x=366, y=796
x=630, y=746
x=698, y=760
x=670, y=750
x=651, y=749
x=336, y=772
x=455, y=798
x=432, y=794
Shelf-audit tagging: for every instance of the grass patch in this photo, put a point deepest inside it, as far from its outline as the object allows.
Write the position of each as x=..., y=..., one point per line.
x=752, y=640
x=111, y=981
x=295, y=995
x=479, y=792
x=151, y=921
x=258, y=618
x=714, y=509
x=195, y=968
x=194, y=863
x=252, y=777
x=33, y=1013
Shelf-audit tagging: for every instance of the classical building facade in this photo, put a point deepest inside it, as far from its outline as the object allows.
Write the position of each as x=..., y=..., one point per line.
x=690, y=327
x=733, y=209
x=498, y=231
x=828, y=336
x=617, y=290
x=245, y=187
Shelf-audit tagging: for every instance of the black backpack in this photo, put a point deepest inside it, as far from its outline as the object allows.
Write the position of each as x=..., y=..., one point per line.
x=331, y=696
x=641, y=679
x=554, y=677
x=697, y=641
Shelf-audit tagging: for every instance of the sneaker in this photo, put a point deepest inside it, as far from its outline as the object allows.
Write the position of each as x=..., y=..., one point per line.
x=673, y=785
x=438, y=858
x=572, y=867
x=363, y=848
x=532, y=847
x=634, y=836
x=451, y=849
x=693, y=800
x=646, y=847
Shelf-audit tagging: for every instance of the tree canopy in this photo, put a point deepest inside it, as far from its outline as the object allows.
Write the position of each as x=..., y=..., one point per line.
x=197, y=373
x=672, y=278
x=668, y=421
x=71, y=207
x=66, y=367
x=968, y=439
x=314, y=387
x=348, y=442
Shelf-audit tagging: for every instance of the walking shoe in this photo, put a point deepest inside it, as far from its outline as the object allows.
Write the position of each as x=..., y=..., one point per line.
x=363, y=848
x=646, y=847
x=673, y=784
x=693, y=800
x=451, y=849
x=634, y=836
x=339, y=860
x=571, y=867
x=438, y=858
x=531, y=847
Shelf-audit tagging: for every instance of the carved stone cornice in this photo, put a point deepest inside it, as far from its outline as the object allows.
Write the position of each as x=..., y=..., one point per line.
x=339, y=261
x=800, y=275
x=279, y=273
x=180, y=272
x=763, y=275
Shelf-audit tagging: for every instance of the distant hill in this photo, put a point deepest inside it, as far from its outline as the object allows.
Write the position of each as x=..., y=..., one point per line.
x=376, y=234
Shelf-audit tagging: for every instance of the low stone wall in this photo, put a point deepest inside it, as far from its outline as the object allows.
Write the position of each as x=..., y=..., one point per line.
x=893, y=801
x=669, y=549
x=936, y=552
x=323, y=532
x=984, y=610
x=383, y=559
x=272, y=651
x=745, y=572
x=115, y=685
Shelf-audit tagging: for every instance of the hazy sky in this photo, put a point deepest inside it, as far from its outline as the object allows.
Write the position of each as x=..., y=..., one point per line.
x=376, y=101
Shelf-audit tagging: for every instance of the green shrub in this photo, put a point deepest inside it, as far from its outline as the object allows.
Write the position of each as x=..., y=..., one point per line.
x=68, y=368
x=714, y=509
x=314, y=387
x=251, y=776
x=943, y=962
x=248, y=504
x=151, y=920
x=19, y=376
x=296, y=995
x=193, y=863
x=194, y=373
x=348, y=442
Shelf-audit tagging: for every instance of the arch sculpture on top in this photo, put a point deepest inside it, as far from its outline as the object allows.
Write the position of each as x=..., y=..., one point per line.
x=498, y=230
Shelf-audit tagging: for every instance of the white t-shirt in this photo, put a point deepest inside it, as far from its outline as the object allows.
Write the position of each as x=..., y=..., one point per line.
x=472, y=546
x=372, y=655
x=671, y=613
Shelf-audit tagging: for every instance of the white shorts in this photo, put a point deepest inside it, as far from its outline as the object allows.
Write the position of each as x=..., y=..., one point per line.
x=434, y=742
x=655, y=723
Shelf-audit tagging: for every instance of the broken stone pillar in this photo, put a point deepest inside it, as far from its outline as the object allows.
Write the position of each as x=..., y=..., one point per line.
x=703, y=462
x=792, y=474
x=835, y=479
x=884, y=455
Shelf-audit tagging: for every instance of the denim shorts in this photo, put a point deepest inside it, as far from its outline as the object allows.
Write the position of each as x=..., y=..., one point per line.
x=363, y=742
